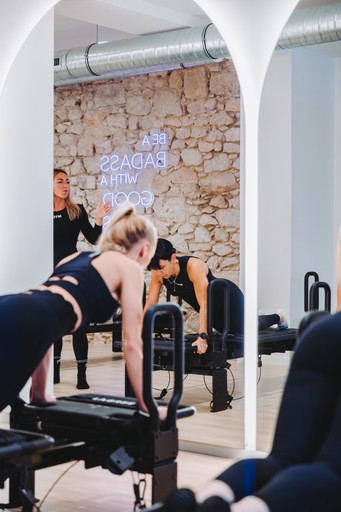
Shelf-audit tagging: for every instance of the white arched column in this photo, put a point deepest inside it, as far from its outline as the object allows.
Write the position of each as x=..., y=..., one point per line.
x=251, y=30
x=26, y=135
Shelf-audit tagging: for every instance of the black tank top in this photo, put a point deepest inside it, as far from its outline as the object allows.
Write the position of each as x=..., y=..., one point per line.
x=91, y=293
x=182, y=286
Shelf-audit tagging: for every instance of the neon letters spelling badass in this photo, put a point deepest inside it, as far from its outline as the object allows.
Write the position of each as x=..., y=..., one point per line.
x=122, y=172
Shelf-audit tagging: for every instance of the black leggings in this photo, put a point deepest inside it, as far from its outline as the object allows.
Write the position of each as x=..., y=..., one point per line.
x=235, y=314
x=303, y=469
x=266, y=321
x=29, y=323
x=79, y=343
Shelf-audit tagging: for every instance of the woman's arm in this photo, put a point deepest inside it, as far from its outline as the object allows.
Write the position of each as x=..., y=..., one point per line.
x=38, y=394
x=103, y=209
x=153, y=291
x=197, y=273
x=90, y=232
x=132, y=318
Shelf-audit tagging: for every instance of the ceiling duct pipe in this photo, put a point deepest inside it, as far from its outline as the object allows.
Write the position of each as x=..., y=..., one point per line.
x=183, y=48
x=156, y=52
x=310, y=26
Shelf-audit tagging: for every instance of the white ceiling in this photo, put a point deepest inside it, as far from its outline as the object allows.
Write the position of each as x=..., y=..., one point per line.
x=82, y=22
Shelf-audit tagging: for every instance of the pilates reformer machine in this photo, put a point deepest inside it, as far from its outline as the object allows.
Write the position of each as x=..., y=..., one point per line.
x=224, y=346
x=101, y=430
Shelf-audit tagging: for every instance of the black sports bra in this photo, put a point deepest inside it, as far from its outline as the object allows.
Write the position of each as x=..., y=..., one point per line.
x=91, y=293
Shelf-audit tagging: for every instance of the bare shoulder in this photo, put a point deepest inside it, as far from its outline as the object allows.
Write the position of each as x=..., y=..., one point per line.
x=155, y=278
x=119, y=260
x=196, y=265
x=117, y=270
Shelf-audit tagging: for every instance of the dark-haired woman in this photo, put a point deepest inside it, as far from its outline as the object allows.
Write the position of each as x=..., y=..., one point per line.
x=69, y=220
x=188, y=277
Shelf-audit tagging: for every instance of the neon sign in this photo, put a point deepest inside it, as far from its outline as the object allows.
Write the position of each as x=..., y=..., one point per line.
x=127, y=178
x=144, y=198
x=137, y=161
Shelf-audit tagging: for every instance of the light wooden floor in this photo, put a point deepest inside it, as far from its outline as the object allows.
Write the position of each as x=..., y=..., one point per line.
x=218, y=437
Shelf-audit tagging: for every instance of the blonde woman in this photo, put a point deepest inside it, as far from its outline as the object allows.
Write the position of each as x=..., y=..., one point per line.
x=84, y=287
x=69, y=220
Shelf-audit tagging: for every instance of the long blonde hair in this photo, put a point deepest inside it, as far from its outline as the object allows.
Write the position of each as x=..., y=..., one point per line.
x=125, y=229
x=73, y=210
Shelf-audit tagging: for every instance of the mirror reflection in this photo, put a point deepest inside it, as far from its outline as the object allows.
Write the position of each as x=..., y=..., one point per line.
x=169, y=143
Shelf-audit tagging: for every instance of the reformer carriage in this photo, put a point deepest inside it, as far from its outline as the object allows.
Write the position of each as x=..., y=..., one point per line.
x=102, y=430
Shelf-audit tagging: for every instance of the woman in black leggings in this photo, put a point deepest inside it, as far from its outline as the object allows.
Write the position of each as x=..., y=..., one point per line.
x=302, y=473
x=84, y=287
x=188, y=277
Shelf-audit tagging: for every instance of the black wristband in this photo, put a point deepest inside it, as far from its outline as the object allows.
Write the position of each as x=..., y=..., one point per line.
x=203, y=335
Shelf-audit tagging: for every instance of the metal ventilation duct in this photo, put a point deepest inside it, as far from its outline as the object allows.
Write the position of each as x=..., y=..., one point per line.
x=312, y=26
x=183, y=48
x=145, y=54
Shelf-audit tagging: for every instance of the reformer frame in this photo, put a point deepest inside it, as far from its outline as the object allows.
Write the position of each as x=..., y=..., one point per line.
x=106, y=431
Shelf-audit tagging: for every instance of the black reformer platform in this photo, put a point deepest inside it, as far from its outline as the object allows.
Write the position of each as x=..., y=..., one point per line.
x=16, y=450
x=222, y=347
x=108, y=431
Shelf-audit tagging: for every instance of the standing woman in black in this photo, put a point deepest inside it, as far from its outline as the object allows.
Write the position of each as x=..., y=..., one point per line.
x=69, y=220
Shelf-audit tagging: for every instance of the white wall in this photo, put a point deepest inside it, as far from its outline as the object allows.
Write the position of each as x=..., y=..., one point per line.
x=312, y=170
x=337, y=150
x=275, y=187
x=26, y=162
x=300, y=166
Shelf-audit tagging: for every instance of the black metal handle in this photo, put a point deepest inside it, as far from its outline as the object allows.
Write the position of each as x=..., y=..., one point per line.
x=306, y=288
x=211, y=289
x=314, y=296
x=148, y=360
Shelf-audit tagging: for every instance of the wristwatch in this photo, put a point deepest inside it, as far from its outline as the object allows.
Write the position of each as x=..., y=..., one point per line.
x=203, y=335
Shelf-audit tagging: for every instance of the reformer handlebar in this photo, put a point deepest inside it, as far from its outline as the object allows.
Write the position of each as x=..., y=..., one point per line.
x=307, y=303
x=212, y=286
x=26, y=445
x=314, y=302
x=148, y=357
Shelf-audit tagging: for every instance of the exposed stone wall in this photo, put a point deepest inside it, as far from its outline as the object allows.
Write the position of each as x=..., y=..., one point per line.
x=196, y=203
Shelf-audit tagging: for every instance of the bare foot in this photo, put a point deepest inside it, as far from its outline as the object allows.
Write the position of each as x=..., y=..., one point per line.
x=37, y=398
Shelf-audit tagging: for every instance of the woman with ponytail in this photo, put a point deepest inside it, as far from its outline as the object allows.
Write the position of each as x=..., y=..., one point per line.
x=84, y=287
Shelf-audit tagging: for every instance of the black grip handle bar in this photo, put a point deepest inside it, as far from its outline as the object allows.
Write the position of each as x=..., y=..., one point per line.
x=148, y=360
x=314, y=303
x=211, y=290
x=307, y=305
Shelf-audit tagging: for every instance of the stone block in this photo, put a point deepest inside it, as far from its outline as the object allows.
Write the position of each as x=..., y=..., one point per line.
x=195, y=83
x=191, y=157
x=166, y=102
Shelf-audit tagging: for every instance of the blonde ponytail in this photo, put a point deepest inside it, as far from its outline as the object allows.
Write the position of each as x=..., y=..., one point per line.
x=125, y=229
